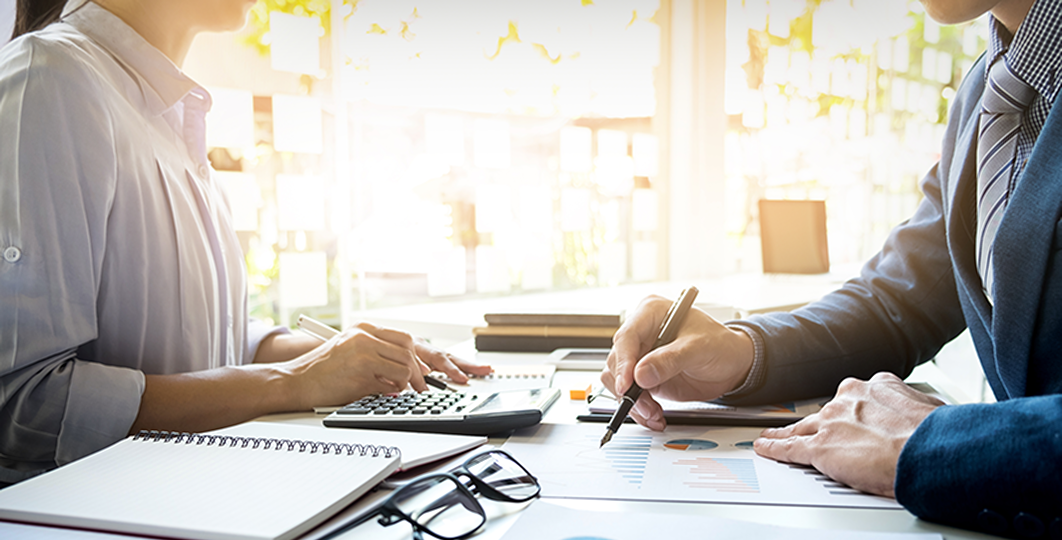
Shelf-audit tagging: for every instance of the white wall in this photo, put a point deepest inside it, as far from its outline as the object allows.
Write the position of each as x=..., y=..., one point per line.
x=7, y=19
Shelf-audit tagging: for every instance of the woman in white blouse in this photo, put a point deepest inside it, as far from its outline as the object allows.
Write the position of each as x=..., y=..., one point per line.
x=123, y=298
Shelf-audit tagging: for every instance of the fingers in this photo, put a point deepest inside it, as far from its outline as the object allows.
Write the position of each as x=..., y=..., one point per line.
x=885, y=376
x=789, y=443
x=455, y=368
x=649, y=413
x=794, y=449
x=658, y=366
x=609, y=380
x=705, y=361
x=621, y=361
x=663, y=364
x=633, y=339
x=395, y=346
x=804, y=427
x=479, y=370
x=646, y=410
x=390, y=335
x=395, y=376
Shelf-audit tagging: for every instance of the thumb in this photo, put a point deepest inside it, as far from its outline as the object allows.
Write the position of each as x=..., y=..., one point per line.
x=658, y=367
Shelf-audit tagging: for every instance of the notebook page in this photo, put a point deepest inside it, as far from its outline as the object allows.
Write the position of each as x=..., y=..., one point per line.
x=202, y=491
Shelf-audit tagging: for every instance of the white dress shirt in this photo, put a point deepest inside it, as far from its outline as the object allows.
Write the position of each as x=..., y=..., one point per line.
x=117, y=253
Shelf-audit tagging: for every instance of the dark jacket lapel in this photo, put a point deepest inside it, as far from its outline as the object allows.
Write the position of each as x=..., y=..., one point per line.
x=1022, y=247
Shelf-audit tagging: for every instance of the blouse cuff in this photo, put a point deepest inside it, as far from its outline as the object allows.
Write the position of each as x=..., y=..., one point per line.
x=102, y=405
x=256, y=332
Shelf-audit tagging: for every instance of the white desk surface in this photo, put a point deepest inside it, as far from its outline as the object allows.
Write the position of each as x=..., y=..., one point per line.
x=449, y=323
x=564, y=412
x=501, y=516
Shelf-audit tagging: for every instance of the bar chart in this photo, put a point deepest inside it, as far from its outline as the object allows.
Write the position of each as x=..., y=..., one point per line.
x=629, y=455
x=725, y=475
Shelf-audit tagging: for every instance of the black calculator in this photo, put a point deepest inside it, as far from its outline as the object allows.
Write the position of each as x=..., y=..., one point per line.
x=463, y=413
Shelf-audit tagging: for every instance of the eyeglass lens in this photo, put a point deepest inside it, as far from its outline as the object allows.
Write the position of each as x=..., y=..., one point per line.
x=503, y=474
x=441, y=506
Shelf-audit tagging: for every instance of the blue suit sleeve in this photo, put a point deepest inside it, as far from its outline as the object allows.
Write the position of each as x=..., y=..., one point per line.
x=982, y=466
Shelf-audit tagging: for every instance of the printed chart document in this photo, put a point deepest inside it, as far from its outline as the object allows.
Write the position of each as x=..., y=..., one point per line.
x=684, y=463
x=545, y=521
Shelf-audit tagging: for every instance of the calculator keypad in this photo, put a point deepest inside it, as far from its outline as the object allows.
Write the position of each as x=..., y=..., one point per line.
x=407, y=404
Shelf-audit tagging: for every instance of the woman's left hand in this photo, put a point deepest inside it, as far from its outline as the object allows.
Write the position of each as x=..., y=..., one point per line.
x=438, y=360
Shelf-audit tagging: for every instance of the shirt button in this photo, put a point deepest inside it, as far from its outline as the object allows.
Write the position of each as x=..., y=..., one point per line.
x=1028, y=525
x=12, y=254
x=203, y=171
x=992, y=522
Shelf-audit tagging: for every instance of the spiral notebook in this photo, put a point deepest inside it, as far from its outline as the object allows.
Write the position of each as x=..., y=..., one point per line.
x=203, y=486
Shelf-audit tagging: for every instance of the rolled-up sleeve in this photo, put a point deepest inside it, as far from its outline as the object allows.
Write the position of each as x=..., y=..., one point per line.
x=60, y=409
x=57, y=171
x=258, y=330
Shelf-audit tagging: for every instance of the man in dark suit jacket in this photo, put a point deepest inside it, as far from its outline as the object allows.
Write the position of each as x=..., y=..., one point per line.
x=995, y=467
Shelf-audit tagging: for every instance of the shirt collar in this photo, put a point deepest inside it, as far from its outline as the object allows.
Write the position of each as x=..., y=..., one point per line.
x=999, y=39
x=1035, y=52
x=166, y=83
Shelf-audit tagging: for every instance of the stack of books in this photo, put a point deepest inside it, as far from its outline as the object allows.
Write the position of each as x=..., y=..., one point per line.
x=545, y=332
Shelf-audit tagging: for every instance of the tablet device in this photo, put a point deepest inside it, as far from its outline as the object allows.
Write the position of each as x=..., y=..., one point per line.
x=579, y=359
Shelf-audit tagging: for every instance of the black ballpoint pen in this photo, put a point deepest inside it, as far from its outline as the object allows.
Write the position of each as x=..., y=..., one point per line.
x=668, y=332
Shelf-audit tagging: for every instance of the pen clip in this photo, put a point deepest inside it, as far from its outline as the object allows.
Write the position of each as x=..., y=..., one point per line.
x=601, y=390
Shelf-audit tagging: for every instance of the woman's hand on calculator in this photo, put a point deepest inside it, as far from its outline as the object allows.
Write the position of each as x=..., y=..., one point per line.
x=439, y=360
x=364, y=359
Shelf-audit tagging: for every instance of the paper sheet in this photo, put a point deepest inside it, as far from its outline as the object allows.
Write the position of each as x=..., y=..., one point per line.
x=684, y=463
x=545, y=521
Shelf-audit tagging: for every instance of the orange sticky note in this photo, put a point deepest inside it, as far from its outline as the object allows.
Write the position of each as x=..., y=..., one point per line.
x=581, y=393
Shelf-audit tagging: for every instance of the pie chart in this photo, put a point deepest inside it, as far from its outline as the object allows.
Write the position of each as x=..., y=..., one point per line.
x=690, y=445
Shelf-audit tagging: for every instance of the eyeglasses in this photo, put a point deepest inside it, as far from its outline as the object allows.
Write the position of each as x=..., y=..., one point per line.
x=444, y=506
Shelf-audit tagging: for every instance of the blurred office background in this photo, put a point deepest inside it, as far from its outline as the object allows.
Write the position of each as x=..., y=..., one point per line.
x=387, y=152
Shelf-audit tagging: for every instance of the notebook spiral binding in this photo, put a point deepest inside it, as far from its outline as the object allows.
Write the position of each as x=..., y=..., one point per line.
x=290, y=445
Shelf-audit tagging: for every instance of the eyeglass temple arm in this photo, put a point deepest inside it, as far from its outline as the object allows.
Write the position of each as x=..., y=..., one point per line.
x=369, y=514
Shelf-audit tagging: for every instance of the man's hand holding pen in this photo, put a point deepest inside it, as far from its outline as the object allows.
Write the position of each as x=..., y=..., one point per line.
x=856, y=438
x=703, y=362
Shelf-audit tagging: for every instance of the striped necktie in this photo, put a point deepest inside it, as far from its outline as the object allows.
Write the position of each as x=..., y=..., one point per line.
x=1005, y=99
